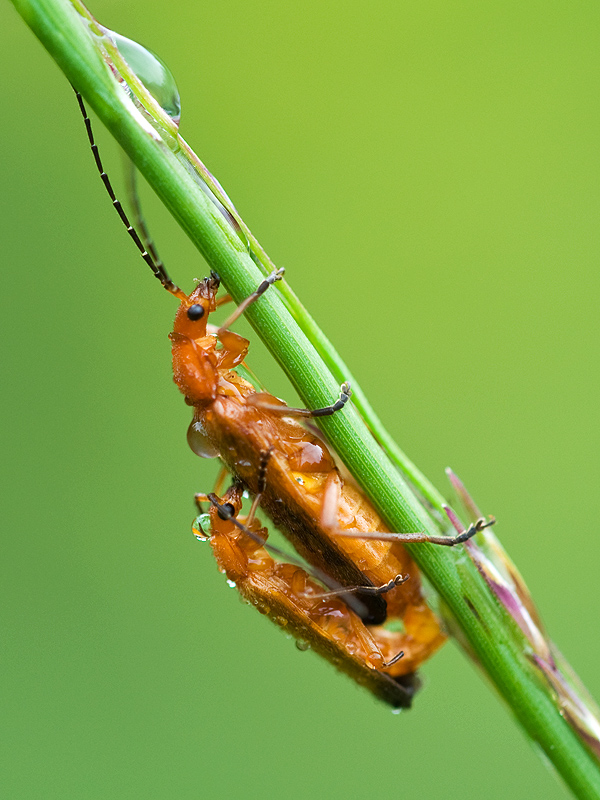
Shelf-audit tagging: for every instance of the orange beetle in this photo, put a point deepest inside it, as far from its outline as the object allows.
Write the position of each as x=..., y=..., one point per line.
x=370, y=577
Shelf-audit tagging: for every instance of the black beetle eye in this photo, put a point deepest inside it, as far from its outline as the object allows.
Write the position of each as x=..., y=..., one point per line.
x=227, y=511
x=195, y=312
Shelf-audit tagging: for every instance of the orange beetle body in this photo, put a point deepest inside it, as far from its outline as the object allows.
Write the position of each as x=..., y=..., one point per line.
x=230, y=422
x=291, y=598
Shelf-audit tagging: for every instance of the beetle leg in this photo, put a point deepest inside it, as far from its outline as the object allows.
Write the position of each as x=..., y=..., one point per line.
x=221, y=301
x=199, y=498
x=331, y=500
x=421, y=536
x=393, y=660
x=372, y=590
x=345, y=394
x=221, y=478
x=276, y=275
x=286, y=411
x=262, y=483
x=328, y=520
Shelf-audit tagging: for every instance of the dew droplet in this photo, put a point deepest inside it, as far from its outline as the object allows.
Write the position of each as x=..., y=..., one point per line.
x=396, y=711
x=201, y=527
x=158, y=79
x=199, y=441
x=152, y=72
x=231, y=584
x=302, y=645
x=282, y=621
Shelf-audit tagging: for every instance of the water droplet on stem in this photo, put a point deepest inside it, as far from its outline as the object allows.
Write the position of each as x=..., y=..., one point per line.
x=152, y=72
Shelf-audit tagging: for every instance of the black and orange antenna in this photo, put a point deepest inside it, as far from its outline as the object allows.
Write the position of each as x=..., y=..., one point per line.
x=147, y=251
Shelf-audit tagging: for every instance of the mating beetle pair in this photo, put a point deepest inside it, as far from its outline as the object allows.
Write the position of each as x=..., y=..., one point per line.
x=358, y=600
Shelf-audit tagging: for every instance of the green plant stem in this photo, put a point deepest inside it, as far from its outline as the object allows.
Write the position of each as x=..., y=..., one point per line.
x=486, y=628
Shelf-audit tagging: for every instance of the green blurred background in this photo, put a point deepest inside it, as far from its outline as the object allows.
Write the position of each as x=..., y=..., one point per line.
x=428, y=174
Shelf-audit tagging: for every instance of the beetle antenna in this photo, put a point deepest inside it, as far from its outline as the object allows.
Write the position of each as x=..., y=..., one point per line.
x=139, y=221
x=157, y=267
